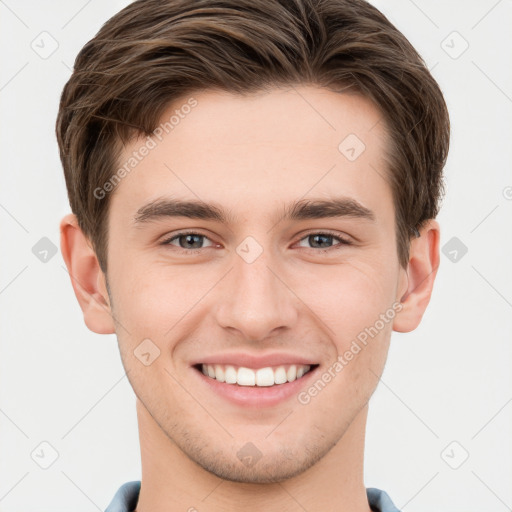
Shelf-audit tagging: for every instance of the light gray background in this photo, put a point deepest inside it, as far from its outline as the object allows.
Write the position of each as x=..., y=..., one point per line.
x=449, y=380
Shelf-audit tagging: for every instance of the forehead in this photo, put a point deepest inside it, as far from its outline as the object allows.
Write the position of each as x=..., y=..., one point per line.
x=304, y=117
x=267, y=148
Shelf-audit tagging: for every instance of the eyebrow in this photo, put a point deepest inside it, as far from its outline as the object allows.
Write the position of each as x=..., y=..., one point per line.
x=303, y=209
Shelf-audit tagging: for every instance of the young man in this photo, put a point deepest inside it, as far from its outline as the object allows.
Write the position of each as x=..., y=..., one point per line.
x=254, y=188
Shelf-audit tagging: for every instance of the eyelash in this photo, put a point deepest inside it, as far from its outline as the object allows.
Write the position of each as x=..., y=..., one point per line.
x=343, y=241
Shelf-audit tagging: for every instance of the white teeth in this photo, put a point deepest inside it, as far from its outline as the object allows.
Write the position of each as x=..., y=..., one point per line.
x=291, y=374
x=263, y=377
x=219, y=373
x=245, y=377
x=280, y=375
x=230, y=375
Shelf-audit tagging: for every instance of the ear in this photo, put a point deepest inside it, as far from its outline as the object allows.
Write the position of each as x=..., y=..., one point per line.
x=87, y=278
x=417, y=281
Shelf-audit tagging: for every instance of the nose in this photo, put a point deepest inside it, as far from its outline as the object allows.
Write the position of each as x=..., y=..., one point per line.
x=255, y=299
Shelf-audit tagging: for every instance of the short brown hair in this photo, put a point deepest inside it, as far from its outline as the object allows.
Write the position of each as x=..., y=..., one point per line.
x=155, y=51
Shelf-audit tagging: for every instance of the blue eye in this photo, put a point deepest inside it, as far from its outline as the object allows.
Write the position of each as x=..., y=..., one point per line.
x=191, y=242
x=187, y=240
x=324, y=240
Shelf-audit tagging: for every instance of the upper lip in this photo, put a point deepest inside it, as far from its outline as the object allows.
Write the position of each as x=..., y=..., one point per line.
x=255, y=361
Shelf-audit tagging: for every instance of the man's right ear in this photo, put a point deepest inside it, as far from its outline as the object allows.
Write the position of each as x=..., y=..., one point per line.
x=87, y=278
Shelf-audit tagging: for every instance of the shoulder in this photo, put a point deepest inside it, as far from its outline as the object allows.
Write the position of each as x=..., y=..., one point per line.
x=379, y=501
x=126, y=497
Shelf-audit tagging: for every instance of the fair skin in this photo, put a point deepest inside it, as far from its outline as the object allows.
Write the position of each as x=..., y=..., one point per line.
x=296, y=302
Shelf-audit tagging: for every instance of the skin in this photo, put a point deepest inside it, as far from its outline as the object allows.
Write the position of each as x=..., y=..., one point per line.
x=250, y=155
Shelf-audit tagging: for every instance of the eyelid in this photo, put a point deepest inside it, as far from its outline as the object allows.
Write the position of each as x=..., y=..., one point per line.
x=171, y=237
x=342, y=239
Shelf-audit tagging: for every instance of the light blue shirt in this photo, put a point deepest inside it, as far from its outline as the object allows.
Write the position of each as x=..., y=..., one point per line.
x=125, y=499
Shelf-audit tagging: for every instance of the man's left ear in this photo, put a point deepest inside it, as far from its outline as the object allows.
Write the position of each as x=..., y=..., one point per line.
x=417, y=281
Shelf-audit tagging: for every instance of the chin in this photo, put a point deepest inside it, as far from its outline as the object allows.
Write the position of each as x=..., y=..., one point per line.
x=265, y=468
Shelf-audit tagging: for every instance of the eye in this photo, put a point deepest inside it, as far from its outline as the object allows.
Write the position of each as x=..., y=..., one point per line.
x=188, y=240
x=324, y=240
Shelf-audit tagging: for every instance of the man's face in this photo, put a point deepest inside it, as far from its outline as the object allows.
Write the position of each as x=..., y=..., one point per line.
x=259, y=288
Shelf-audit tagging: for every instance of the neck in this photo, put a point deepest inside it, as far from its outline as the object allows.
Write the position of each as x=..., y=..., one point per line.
x=171, y=482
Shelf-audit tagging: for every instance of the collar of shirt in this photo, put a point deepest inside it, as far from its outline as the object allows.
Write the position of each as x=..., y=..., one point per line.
x=125, y=499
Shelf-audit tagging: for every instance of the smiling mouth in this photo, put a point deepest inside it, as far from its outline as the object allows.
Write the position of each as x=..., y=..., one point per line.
x=262, y=377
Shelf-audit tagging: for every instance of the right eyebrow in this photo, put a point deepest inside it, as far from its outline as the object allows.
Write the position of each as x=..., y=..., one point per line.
x=176, y=208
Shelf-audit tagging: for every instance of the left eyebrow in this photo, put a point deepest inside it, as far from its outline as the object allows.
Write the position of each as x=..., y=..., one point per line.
x=303, y=209
x=325, y=208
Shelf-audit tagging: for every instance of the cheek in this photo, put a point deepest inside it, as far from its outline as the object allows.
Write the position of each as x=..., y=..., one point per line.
x=347, y=297
x=153, y=298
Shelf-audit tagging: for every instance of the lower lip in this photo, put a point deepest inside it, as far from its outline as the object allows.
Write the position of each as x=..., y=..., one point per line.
x=257, y=396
